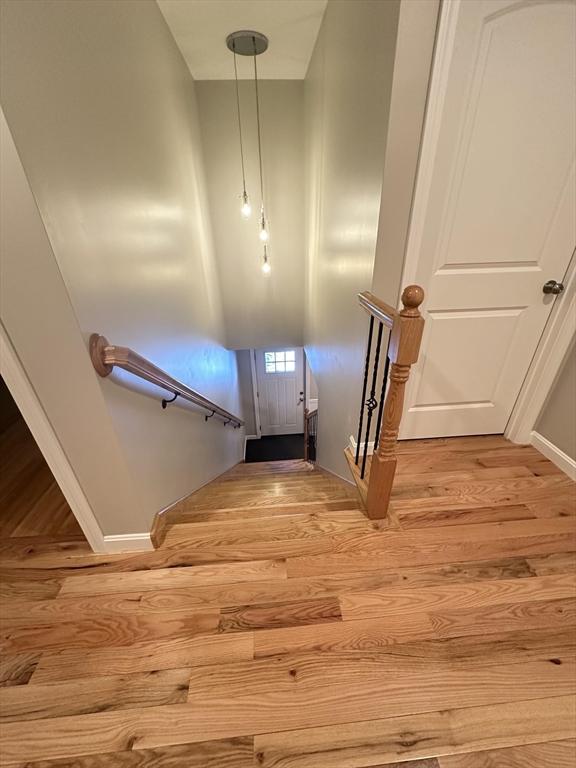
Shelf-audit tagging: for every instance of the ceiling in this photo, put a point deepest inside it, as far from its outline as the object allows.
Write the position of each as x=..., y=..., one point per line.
x=200, y=28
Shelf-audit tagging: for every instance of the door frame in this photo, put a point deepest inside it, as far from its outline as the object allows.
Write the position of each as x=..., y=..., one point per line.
x=559, y=330
x=255, y=394
x=43, y=433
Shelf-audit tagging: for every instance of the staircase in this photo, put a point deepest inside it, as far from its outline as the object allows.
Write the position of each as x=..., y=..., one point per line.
x=282, y=501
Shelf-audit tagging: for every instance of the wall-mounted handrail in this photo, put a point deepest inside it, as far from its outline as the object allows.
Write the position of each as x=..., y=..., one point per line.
x=106, y=356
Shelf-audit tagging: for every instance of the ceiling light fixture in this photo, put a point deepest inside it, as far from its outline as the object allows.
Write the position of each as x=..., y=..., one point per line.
x=249, y=43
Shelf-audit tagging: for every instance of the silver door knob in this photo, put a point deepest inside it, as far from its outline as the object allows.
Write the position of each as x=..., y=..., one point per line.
x=552, y=287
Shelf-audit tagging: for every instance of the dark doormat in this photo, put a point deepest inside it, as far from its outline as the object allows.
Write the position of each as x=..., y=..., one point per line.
x=275, y=448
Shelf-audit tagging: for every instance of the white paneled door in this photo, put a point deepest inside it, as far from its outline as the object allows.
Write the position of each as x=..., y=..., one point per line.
x=280, y=375
x=494, y=211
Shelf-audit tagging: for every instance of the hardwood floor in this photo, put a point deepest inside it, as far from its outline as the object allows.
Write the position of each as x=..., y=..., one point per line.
x=278, y=627
x=31, y=503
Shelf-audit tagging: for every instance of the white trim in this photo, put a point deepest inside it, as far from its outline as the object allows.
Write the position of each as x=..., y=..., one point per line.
x=552, y=452
x=128, y=542
x=352, y=444
x=550, y=353
x=255, y=394
x=33, y=413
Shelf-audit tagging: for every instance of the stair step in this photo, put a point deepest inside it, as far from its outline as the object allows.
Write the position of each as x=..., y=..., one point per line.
x=286, y=528
x=361, y=483
x=264, y=512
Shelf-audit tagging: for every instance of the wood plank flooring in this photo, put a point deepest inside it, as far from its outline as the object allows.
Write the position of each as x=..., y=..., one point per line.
x=278, y=627
x=31, y=503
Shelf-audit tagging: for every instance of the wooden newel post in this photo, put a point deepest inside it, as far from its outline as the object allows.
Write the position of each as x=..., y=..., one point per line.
x=405, y=338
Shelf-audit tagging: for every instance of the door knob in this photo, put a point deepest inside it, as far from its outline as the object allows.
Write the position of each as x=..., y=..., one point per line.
x=553, y=287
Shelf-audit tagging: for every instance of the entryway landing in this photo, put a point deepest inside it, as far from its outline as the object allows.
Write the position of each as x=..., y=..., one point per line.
x=275, y=448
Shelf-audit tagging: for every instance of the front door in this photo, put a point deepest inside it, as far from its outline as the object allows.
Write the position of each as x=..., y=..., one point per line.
x=494, y=210
x=280, y=375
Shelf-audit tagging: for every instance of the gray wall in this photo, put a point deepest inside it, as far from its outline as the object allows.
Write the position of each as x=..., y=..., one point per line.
x=557, y=422
x=40, y=324
x=348, y=89
x=103, y=112
x=412, y=66
x=246, y=390
x=259, y=310
x=364, y=112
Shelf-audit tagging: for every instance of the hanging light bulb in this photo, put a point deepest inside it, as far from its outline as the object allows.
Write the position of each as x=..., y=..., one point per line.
x=264, y=236
x=266, y=264
x=246, y=209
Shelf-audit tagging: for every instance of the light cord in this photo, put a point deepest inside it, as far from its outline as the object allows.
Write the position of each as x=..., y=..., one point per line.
x=258, y=126
x=239, y=125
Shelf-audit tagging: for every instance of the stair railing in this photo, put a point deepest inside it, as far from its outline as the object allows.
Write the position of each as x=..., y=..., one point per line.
x=106, y=356
x=310, y=432
x=406, y=327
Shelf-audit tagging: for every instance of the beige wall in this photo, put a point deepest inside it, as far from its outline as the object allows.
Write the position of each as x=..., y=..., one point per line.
x=348, y=89
x=557, y=422
x=103, y=112
x=259, y=310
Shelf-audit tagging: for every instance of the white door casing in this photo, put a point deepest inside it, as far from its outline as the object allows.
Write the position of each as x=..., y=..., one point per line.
x=494, y=209
x=280, y=392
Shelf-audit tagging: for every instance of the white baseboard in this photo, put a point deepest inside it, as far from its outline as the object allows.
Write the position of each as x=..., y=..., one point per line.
x=556, y=456
x=128, y=542
x=353, y=445
x=252, y=437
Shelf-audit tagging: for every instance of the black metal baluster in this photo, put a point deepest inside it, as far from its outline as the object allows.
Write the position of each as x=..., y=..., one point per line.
x=371, y=403
x=382, y=397
x=366, y=369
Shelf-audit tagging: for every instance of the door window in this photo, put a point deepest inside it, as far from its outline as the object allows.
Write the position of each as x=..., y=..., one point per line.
x=280, y=362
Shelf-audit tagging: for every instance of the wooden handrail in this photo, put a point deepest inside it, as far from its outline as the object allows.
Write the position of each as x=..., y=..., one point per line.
x=403, y=351
x=406, y=328
x=106, y=356
x=379, y=309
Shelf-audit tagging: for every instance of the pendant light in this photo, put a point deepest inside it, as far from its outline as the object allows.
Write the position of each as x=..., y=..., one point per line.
x=249, y=43
x=246, y=209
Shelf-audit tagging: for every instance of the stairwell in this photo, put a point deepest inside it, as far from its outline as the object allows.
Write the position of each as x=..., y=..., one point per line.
x=264, y=508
